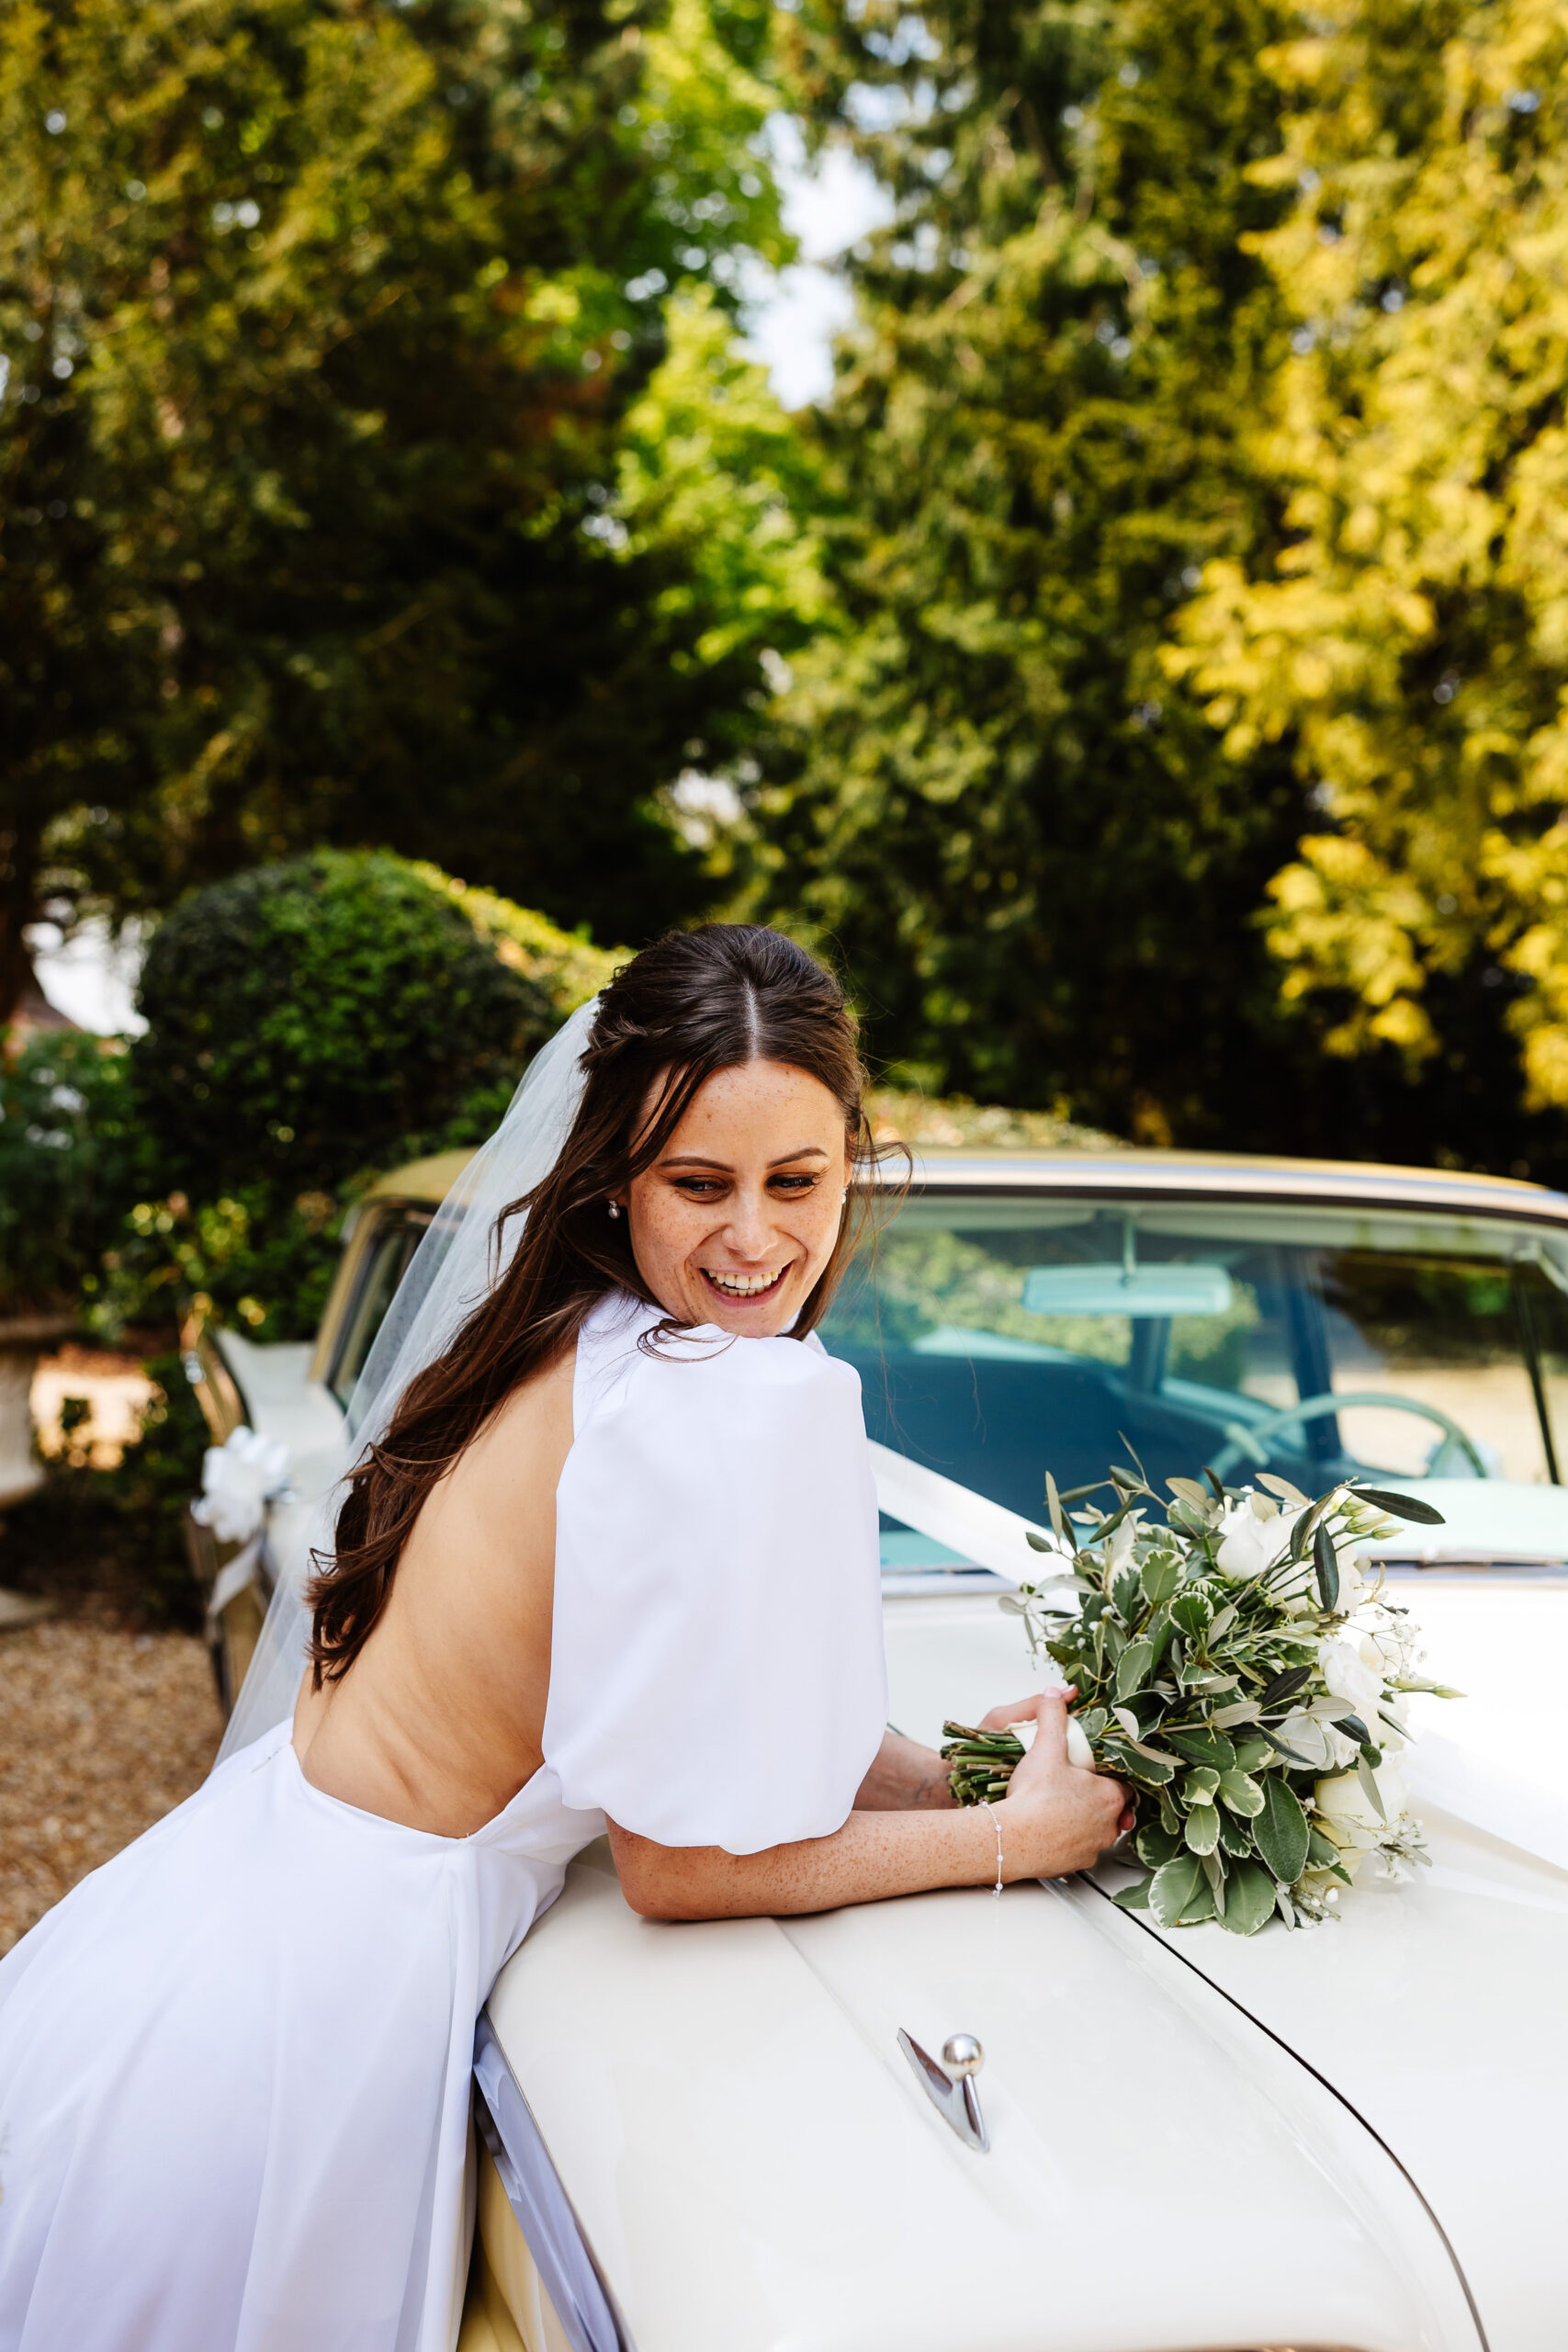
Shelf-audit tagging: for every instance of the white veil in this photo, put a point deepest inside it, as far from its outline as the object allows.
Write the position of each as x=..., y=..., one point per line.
x=454, y=1264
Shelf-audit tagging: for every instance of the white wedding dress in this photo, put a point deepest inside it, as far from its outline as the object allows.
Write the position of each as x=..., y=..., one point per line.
x=235, y=2062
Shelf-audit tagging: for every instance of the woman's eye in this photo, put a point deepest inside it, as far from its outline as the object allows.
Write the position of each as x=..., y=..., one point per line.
x=793, y=1183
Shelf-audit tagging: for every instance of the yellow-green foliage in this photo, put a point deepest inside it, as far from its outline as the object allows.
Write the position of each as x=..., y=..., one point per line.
x=1412, y=637
x=565, y=964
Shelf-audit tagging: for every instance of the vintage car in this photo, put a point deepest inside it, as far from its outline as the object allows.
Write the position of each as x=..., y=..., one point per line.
x=1039, y=2122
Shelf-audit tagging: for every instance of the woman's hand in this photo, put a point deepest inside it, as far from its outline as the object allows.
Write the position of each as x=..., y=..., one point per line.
x=1055, y=1817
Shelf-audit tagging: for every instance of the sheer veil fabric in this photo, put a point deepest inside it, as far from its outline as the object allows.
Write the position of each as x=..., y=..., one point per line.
x=235, y=2063
x=454, y=1264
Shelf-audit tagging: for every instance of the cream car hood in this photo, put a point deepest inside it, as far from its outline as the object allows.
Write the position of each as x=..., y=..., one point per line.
x=1433, y=2007
x=756, y=2168
x=1330, y=2139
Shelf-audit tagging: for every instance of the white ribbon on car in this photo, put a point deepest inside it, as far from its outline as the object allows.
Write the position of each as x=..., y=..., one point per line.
x=239, y=1479
x=970, y=1524
x=1442, y=1770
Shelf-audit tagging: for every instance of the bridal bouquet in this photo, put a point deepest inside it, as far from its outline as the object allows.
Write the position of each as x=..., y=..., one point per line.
x=1238, y=1673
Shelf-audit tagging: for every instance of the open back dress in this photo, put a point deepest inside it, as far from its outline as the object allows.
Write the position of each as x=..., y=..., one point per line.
x=235, y=2062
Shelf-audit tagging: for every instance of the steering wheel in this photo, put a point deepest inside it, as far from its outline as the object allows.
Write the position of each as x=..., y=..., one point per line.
x=1252, y=1439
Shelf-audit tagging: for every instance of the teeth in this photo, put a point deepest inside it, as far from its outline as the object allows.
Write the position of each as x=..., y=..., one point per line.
x=743, y=1286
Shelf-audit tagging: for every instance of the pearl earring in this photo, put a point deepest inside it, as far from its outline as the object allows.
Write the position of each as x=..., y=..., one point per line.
x=615, y=1208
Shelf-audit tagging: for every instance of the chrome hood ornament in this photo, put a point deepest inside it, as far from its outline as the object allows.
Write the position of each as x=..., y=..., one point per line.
x=951, y=2086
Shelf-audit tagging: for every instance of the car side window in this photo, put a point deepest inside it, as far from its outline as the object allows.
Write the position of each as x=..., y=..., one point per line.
x=383, y=1267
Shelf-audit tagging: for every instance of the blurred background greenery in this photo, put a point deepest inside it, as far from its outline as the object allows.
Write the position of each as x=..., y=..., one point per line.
x=1142, y=672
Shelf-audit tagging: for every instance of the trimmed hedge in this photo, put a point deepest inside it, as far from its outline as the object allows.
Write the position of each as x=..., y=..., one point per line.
x=304, y=1018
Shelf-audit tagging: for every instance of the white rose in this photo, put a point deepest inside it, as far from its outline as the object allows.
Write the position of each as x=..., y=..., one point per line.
x=1349, y=1817
x=1349, y=1676
x=1079, y=1752
x=1249, y=1545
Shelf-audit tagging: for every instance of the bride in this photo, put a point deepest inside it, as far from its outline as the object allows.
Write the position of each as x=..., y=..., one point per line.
x=607, y=1557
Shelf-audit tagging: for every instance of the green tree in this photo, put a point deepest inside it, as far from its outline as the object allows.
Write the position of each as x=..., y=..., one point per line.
x=1408, y=647
x=318, y=320
x=984, y=790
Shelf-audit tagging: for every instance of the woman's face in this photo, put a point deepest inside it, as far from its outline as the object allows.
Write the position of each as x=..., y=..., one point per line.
x=737, y=1216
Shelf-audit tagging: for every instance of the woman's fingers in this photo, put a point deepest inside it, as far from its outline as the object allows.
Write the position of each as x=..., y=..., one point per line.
x=1023, y=1710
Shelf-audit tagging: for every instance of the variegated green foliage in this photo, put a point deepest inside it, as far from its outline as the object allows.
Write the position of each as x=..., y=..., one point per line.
x=1233, y=1669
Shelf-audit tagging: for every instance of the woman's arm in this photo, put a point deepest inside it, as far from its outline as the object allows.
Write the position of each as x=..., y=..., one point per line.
x=904, y=1778
x=1055, y=1818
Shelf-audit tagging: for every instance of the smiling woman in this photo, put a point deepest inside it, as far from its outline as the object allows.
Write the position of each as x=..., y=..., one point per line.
x=739, y=1239
x=607, y=1561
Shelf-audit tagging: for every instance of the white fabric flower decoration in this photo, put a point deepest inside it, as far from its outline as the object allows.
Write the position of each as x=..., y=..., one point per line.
x=238, y=1480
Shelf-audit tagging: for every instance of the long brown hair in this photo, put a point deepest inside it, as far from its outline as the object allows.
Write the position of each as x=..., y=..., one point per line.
x=693, y=1003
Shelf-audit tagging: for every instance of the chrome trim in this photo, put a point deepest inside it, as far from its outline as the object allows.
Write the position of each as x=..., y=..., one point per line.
x=570, y=2276
x=1219, y=1177
x=957, y=2103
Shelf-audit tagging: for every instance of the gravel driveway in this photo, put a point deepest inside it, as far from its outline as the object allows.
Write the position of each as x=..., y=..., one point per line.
x=101, y=1732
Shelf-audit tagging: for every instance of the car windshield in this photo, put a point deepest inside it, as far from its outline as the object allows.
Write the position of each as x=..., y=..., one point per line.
x=1000, y=1339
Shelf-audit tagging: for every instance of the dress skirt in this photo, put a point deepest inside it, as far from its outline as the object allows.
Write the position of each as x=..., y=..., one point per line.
x=235, y=2072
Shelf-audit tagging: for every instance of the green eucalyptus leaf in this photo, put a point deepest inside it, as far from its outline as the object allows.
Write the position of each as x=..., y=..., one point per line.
x=1156, y=1845
x=1214, y=1872
x=1370, y=1788
x=1327, y=1564
x=1131, y=1760
x=1133, y=1667
x=1249, y=1899
x=1127, y=1591
x=1241, y=1792
x=1173, y=1887
x=1250, y=1753
x=1235, y=1835
x=1280, y=1486
x=1323, y=1854
x=1202, y=1907
x=1188, y=1490
x=1199, y=1787
x=1134, y=1898
x=1280, y=1830
x=1160, y=1575
x=1203, y=1829
x=1192, y=1611
x=1285, y=1686
x=1201, y=1745
x=1400, y=1506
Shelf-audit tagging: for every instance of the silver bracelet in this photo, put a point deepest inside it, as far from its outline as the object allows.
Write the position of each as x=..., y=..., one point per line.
x=997, y=1826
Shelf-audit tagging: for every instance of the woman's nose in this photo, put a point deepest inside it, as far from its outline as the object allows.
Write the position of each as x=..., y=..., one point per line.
x=750, y=1231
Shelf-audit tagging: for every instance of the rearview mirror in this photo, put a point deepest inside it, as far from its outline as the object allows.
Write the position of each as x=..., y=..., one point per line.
x=1143, y=1292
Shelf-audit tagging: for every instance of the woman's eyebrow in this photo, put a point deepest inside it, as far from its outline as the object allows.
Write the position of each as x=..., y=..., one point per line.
x=701, y=1159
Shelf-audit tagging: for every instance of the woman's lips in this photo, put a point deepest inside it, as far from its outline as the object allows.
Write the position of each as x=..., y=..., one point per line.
x=720, y=1286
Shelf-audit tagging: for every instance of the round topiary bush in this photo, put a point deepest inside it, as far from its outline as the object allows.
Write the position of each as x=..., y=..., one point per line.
x=303, y=1018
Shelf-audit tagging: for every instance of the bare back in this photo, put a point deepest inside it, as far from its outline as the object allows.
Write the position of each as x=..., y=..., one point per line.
x=439, y=1720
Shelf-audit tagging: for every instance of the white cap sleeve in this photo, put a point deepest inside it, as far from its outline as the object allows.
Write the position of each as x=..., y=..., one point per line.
x=717, y=1674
